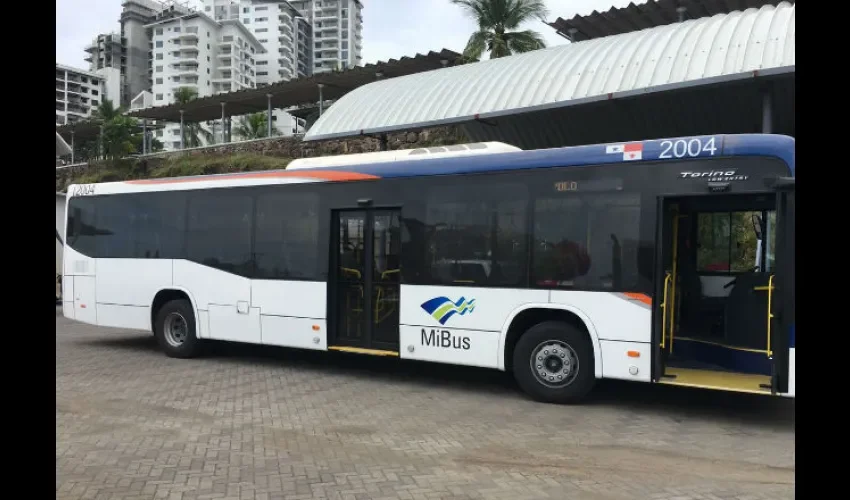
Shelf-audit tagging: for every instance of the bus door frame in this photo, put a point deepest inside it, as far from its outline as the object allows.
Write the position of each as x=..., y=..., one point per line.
x=782, y=310
x=664, y=288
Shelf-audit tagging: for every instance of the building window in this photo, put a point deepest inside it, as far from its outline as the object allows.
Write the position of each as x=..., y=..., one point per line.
x=246, y=21
x=263, y=40
x=159, y=44
x=159, y=31
x=262, y=63
x=158, y=69
x=261, y=19
x=159, y=81
x=262, y=73
x=159, y=56
x=259, y=9
x=159, y=97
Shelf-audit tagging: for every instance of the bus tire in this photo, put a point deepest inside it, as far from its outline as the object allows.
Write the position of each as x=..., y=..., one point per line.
x=553, y=363
x=175, y=329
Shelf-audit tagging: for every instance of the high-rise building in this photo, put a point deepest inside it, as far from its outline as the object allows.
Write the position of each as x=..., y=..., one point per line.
x=286, y=36
x=80, y=92
x=203, y=54
x=129, y=50
x=337, y=32
x=282, y=30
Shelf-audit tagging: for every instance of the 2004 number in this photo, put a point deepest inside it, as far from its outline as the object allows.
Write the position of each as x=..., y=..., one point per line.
x=688, y=148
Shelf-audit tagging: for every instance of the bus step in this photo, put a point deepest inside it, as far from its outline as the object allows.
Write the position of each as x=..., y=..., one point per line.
x=360, y=350
x=766, y=386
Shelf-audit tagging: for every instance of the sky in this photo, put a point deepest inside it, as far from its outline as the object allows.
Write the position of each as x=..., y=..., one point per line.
x=391, y=28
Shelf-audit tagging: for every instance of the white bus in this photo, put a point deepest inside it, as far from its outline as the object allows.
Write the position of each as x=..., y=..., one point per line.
x=664, y=261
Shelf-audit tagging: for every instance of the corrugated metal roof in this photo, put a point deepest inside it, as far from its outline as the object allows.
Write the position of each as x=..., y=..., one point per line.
x=649, y=14
x=704, y=51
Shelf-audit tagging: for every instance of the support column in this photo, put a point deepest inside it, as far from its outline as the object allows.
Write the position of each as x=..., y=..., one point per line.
x=100, y=143
x=223, y=125
x=72, y=147
x=321, y=100
x=382, y=142
x=182, y=136
x=269, y=115
x=229, y=128
x=766, y=111
x=145, y=136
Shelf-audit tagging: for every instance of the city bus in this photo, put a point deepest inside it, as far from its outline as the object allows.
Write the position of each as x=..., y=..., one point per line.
x=667, y=261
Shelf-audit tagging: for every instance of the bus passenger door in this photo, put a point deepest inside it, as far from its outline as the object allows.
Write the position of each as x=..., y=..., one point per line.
x=782, y=336
x=363, y=292
x=663, y=300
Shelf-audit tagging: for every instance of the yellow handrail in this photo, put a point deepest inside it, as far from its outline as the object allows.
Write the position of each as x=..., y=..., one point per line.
x=769, y=313
x=769, y=290
x=667, y=278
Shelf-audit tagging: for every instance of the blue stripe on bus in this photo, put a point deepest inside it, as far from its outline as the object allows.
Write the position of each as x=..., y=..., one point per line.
x=661, y=149
x=792, y=337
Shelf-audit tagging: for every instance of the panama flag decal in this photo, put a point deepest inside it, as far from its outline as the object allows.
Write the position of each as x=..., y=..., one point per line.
x=629, y=150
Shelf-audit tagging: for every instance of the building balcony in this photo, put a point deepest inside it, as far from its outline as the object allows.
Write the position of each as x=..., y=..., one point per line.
x=328, y=27
x=284, y=38
x=184, y=36
x=177, y=85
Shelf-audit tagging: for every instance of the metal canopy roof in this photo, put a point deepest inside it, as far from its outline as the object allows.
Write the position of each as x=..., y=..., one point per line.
x=649, y=14
x=297, y=92
x=704, y=51
x=90, y=129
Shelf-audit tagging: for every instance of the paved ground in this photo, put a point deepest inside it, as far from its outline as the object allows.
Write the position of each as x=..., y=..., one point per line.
x=260, y=423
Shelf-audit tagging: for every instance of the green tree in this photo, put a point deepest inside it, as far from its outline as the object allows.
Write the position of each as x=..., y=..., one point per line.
x=254, y=126
x=120, y=136
x=497, y=22
x=194, y=134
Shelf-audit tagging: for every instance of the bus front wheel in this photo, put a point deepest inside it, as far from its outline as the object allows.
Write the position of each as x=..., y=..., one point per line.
x=175, y=329
x=553, y=363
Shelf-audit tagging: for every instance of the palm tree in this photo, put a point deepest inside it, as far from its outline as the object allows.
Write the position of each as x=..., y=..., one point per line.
x=254, y=126
x=192, y=132
x=106, y=110
x=497, y=20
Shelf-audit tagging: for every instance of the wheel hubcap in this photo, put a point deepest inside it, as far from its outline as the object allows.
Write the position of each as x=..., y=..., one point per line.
x=554, y=363
x=176, y=329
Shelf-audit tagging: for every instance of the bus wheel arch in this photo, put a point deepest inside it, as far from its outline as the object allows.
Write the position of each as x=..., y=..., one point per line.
x=174, y=303
x=564, y=323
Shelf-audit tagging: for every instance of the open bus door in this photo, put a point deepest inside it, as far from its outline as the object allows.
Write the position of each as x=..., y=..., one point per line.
x=782, y=336
x=665, y=288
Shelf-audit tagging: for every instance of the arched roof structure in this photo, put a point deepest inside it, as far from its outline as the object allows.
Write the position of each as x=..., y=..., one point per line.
x=708, y=51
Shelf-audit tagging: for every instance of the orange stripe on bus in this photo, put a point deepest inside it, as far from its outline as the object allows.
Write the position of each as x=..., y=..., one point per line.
x=639, y=296
x=327, y=175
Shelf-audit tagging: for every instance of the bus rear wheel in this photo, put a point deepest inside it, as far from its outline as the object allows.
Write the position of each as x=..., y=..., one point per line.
x=175, y=329
x=553, y=363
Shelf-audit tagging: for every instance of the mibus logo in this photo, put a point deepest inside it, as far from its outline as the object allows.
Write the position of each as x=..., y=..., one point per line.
x=441, y=308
